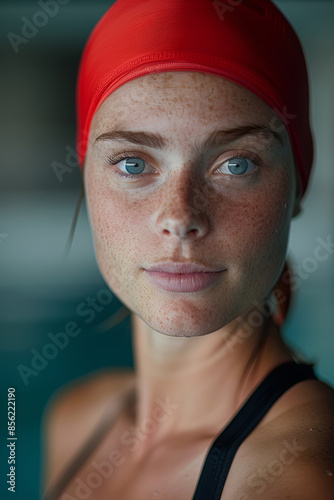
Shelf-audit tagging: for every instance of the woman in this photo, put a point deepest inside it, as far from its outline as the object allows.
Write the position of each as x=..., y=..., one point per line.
x=196, y=150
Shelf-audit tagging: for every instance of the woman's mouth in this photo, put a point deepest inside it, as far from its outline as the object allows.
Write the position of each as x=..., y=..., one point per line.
x=185, y=282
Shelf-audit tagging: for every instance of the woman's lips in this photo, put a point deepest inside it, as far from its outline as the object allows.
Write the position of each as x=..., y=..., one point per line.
x=189, y=282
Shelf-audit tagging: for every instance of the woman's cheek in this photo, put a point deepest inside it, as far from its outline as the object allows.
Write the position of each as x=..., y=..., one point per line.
x=116, y=231
x=255, y=233
x=104, y=214
x=268, y=215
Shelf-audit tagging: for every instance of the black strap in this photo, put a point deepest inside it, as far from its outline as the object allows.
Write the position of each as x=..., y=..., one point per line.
x=220, y=456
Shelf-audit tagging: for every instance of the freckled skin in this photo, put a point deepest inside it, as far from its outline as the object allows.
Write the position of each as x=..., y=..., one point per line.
x=188, y=210
x=188, y=207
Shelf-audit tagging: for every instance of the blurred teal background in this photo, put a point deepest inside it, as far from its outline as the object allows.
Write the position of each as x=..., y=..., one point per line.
x=40, y=293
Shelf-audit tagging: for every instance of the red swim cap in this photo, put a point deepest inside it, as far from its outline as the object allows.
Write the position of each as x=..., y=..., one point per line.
x=249, y=42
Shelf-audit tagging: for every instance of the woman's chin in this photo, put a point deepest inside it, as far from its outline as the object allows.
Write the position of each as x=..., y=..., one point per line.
x=179, y=324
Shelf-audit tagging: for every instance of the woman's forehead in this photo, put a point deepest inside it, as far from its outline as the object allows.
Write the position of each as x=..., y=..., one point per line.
x=193, y=92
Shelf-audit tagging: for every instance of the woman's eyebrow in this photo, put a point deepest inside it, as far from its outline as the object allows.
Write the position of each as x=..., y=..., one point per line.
x=214, y=139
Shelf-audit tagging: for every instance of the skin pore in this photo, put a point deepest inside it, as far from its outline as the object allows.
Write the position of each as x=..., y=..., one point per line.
x=188, y=206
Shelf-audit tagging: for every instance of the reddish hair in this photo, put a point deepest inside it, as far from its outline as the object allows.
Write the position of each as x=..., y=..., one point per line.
x=282, y=293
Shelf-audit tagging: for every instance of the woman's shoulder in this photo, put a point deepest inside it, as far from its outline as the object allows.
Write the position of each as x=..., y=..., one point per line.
x=290, y=455
x=311, y=393
x=90, y=392
x=305, y=413
x=73, y=413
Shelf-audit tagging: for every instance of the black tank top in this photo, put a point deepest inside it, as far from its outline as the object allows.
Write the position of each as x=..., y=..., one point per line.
x=221, y=453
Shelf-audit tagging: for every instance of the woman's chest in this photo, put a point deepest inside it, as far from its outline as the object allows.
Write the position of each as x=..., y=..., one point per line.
x=120, y=469
x=127, y=465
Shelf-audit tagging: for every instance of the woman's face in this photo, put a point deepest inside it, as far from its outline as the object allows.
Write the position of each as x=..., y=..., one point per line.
x=226, y=205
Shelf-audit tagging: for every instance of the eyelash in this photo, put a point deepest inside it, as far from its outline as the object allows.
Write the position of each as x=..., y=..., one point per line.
x=113, y=160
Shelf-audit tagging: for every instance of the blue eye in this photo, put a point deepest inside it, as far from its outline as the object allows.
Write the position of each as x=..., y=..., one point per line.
x=134, y=165
x=239, y=165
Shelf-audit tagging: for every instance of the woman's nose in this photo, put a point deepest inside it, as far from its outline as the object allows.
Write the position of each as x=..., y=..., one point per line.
x=183, y=211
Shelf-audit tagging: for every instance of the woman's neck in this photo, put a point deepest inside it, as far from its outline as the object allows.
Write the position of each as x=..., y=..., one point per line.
x=192, y=384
